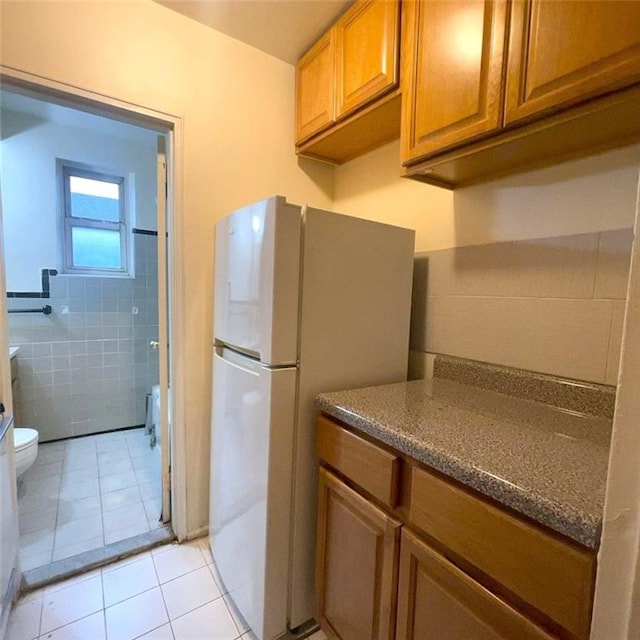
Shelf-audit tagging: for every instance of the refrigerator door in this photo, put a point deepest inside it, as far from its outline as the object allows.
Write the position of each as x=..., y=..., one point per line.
x=257, y=276
x=250, y=493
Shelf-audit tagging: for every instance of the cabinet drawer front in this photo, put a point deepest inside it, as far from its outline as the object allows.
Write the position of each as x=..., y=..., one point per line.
x=553, y=576
x=437, y=601
x=375, y=470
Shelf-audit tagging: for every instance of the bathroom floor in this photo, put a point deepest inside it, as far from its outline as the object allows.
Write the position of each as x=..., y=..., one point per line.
x=169, y=593
x=83, y=493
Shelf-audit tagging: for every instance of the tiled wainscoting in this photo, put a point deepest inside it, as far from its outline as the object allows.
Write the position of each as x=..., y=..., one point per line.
x=87, y=492
x=87, y=367
x=166, y=594
x=553, y=305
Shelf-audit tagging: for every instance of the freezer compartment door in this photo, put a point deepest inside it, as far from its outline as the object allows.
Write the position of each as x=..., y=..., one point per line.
x=257, y=274
x=250, y=494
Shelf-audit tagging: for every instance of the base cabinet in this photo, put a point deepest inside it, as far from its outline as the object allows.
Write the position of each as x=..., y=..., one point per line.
x=404, y=553
x=437, y=601
x=356, y=574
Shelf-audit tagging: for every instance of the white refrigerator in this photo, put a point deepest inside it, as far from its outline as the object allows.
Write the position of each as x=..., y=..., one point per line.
x=306, y=301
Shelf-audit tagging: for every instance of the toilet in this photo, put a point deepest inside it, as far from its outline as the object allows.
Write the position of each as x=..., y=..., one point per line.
x=25, y=447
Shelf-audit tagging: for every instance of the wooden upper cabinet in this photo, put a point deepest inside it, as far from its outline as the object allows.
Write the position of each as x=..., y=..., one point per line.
x=356, y=568
x=452, y=63
x=315, y=88
x=437, y=601
x=366, y=40
x=561, y=53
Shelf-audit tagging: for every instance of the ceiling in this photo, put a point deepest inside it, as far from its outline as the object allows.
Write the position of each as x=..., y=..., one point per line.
x=283, y=28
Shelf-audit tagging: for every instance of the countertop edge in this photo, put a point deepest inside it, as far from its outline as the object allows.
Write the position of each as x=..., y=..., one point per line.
x=561, y=518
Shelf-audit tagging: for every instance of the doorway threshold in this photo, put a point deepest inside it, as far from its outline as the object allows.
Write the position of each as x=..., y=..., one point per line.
x=88, y=560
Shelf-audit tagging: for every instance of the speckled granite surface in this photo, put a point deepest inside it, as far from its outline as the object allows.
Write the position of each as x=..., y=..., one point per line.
x=542, y=462
x=573, y=395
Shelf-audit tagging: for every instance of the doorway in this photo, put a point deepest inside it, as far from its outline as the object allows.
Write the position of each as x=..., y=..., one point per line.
x=90, y=372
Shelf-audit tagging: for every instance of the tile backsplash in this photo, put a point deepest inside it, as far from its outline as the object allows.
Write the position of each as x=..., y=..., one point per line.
x=553, y=305
x=87, y=367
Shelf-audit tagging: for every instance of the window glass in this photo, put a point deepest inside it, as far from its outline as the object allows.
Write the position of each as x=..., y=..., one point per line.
x=98, y=248
x=94, y=199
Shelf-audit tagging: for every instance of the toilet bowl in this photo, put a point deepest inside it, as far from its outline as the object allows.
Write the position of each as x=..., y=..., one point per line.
x=25, y=447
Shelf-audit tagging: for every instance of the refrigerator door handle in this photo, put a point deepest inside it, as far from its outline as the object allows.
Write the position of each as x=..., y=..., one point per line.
x=244, y=363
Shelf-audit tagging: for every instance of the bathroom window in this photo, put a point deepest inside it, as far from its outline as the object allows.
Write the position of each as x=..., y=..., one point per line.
x=94, y=222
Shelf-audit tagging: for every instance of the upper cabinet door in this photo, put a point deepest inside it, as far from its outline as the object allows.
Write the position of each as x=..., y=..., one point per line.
x=452, y=56
x=563, y=52
x=366, y=53
x=315, y=88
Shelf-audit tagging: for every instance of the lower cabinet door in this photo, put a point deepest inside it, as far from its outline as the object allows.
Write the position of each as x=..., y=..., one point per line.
x=437, y=601
x=357, y=564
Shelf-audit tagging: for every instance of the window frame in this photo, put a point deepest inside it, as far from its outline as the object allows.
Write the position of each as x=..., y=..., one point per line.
x=66, y=170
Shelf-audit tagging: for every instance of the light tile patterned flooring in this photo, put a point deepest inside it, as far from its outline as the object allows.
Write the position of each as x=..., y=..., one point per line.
x=168, y=593
x=83, y=493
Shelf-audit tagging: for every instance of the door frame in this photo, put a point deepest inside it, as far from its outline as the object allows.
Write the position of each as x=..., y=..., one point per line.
x=171, y=125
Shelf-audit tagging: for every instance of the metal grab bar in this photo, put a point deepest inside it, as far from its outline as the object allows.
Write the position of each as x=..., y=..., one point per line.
x=46, y=310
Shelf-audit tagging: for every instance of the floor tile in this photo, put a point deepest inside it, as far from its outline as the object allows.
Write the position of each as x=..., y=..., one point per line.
x=37, y=520
x=136, y=616
x=124, y=517
x=209, y=622
x=110, y=457
x=121, y=498
x=48, y=455
x=189, y=592
x=205, y=549
x=85, y=489
x=79, y=462
x=145, y=461
x=66, y=551
x=69, y=582
x=126, y=532
x=78, y=509
x=71, y=603
x=114, y=468
x=318, y=635
x=79, y=476
x=125, y=561
x=150, y=490
x=177, y=561
x=148, y=475
x=241, y=625
x=45, y=470
x=78, y=531
x=161, y=633
x=91, y=627
x=118, y=481
x=24, y=620
x=129, y=580
x=34, y=560
x=153, y=509
x=37, y=542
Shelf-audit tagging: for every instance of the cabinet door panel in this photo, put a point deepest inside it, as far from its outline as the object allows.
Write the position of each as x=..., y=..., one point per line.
x=315, y=88
x=561, y=53
x=366, y=53
x=437, y=601
x=452, y=72
x=356, y=565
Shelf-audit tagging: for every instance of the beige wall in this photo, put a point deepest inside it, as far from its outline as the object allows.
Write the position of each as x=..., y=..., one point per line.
x=237, y=109
x=583, y=196
x=514, y=271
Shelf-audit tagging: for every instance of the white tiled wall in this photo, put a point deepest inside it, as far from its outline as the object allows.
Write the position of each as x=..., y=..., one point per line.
x=553, y=305
x=87, y=367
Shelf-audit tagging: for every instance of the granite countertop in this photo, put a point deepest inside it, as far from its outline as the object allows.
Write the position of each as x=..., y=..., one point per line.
x=546, y=463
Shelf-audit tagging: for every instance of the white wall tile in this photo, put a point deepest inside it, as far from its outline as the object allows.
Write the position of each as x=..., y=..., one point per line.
x=615, y=343
x=563, y=337
x=614, y=255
